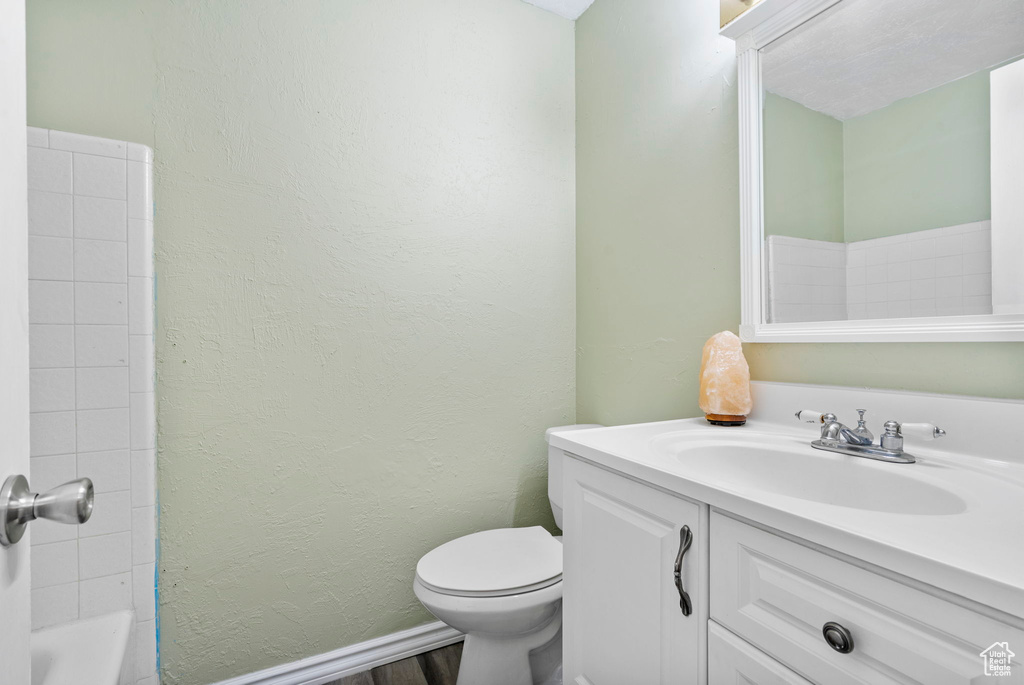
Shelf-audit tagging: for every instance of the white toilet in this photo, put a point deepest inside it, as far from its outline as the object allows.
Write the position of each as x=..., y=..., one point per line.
x=503, y=589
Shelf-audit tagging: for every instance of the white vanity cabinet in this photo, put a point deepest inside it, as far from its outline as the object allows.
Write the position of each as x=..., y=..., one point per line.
x=760, y=599
x=622, y=617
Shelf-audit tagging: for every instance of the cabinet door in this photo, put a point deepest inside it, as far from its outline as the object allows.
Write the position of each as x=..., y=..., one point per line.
x=622, y=619
x=731, y=660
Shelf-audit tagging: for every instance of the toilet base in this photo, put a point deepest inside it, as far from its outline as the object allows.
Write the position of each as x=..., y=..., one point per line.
x=546, y=662
x=533, y=659
x=510, y=639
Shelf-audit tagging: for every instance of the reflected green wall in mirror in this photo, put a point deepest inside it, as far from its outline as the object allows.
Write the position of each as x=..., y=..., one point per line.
x=917, y=164
x=803, y=180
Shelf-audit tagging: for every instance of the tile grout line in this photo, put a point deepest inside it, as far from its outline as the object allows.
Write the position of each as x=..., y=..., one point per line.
x=74, y=349
x=74, y=282
x=131, y=510
x=69, y=368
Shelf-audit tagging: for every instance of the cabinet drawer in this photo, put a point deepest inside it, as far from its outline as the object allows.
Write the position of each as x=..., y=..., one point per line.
x=778, y=595
x=731, y=660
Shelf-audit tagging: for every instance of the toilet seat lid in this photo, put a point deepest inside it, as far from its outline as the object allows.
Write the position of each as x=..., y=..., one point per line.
x=494, y=561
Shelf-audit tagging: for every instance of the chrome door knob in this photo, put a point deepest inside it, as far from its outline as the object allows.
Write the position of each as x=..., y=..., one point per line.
x=68, y=503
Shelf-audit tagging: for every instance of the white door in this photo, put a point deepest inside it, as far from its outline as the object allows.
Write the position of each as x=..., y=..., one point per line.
x=15, y=621
x=622, y=619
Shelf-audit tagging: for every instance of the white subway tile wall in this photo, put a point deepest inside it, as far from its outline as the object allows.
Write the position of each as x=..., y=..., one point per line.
x=91, y=304
x=938, y=272
x=50, y=214
x=806, y=280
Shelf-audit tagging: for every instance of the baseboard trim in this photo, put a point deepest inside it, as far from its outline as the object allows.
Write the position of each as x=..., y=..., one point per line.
x=357, y=658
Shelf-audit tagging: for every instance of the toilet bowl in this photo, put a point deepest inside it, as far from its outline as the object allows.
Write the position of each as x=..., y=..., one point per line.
x=503, y=589
x=508, y=630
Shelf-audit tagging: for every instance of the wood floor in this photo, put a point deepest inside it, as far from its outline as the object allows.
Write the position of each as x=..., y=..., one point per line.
x=440, y=667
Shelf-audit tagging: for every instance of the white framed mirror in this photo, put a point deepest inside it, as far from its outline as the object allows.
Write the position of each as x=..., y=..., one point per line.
x=881, y=170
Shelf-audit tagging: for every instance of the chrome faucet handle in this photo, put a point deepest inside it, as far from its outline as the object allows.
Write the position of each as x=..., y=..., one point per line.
x=71, y=503
x=921, y=431
x=831, y=428
x=891, y=438
x=829, y=423
x=895, y=432
x=861, y=431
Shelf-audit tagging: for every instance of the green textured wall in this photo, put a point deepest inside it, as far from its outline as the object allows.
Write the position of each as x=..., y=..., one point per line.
x=803, y=171
x=658, y=230
x=657, y=211
x=365, y=263
x=919, y=163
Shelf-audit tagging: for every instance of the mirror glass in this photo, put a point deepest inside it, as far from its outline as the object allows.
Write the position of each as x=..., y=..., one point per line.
x=893, y=155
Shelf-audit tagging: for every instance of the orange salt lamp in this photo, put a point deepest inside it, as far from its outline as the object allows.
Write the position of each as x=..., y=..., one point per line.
x=724, y=381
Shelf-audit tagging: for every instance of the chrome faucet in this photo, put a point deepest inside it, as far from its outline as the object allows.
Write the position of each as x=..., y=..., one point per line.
x=859, y=442
x=831, y=429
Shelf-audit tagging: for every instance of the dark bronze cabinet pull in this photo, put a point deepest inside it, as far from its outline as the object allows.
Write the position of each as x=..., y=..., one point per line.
x=837, y=637
x=685, y=540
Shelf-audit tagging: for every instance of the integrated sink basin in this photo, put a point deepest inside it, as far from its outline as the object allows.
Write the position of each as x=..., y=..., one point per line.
x=769, y=464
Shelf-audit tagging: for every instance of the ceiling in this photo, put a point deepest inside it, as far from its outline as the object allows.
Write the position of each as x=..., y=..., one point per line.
x=570, y=9
x=862, y=55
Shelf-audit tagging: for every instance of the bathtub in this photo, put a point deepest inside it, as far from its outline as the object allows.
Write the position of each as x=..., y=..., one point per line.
x=88, y=651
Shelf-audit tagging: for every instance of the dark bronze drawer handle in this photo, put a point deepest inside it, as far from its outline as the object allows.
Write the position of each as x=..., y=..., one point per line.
x=837, y=637
x=685, y=540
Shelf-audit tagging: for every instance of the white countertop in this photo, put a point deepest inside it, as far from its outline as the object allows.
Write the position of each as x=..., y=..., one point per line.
x=976, y=552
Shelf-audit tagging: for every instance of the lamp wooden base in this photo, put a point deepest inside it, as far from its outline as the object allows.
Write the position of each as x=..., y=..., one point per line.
x=725, y=419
